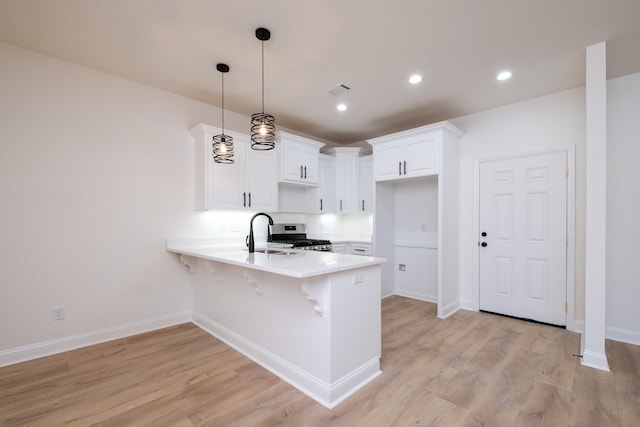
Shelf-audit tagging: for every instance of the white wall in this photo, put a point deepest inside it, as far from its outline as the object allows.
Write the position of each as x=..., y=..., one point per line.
x=623, y=209
x=551, y=121
x=95, y=173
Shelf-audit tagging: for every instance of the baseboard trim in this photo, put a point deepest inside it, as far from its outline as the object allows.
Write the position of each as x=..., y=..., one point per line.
x=578, y=326
x=595, y=359
x=414, y=295
x=448, y=309
x=60, y=345
x=467, y=304
x=623, y=335
x=328, y=395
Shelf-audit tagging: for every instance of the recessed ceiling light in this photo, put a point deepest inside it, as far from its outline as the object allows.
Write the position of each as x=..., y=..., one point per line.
x=504, y=75
x=415, y=79
x=341, y=107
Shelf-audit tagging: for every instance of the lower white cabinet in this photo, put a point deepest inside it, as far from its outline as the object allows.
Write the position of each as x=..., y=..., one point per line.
x=250, y=183
x=353, y=248
x=339, y=247
x=360, y=249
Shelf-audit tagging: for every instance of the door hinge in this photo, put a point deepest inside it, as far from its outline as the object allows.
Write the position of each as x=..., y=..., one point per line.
x=566, y=307
x=566, y=240
x=566, y=171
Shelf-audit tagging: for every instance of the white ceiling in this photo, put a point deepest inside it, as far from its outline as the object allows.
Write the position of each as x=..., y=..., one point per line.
x=371, y=46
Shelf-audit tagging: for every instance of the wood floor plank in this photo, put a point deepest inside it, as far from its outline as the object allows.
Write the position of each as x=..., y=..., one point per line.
x=470, y=369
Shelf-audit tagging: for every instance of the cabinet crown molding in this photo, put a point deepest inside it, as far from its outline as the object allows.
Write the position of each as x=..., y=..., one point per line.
x=286, y=136
x=440, y=126
x=344, y=150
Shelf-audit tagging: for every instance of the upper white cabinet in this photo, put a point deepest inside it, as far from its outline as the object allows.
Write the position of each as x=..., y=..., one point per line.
x=365, y=168
x=408, y=154
x=347, y=179
x=322, y=199
x=298, y=159
x=250, y=183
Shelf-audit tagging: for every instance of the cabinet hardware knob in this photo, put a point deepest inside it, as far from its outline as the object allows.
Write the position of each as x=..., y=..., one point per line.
x=249, y=199
x=399, y=168
x=405, y=167
x=305, y=172
x=244, y=199
x=484, y=234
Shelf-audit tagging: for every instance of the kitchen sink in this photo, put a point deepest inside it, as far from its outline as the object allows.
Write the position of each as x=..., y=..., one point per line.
x=274, y=252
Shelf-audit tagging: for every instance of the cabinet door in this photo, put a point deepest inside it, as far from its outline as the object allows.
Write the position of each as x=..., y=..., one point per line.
x=348, y=182
x=326, y=200
x=262, y=184
x=227, y=189
x=366, y=184
x=387, y=160
x=360, y=249
x=339, y=248
x=311, y=166
x=299, y=161
x=422, y=156
x=293, y=158
x=322, y=199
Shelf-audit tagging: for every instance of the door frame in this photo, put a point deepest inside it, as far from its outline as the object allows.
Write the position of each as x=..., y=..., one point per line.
x=571, y=220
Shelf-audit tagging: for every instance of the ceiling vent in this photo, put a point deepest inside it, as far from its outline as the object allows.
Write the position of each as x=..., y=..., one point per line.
x=340, y=89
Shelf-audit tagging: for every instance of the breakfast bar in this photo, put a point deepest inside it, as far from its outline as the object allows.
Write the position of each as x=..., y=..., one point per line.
x=311, y=318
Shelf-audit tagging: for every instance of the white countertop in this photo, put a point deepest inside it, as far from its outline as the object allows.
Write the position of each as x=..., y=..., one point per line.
x=300, y=263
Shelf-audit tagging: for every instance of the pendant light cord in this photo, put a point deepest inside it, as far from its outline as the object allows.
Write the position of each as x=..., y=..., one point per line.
x=263, y=76
x=223, y=103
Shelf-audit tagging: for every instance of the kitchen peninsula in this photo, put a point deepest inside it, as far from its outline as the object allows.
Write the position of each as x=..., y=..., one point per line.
x=311, y=318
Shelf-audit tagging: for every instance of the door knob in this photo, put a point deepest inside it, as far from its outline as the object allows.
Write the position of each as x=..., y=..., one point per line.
x=483, y=244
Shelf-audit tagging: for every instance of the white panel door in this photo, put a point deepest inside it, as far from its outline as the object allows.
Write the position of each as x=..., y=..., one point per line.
x=523, y=232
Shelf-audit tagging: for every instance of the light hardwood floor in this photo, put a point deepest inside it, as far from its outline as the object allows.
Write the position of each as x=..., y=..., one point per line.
x=471, y=369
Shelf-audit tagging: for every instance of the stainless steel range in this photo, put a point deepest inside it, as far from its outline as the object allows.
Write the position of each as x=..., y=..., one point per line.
x=295, y=236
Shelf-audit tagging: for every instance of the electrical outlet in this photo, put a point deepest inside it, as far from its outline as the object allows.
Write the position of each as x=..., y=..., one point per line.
x=402, y=267
x=358, y=277
x=58, y=312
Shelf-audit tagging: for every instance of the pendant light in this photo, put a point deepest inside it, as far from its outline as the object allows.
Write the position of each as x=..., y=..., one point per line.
x=263, y=129
x=223, y=144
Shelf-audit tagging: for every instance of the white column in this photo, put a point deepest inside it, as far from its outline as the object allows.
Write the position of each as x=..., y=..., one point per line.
x=593, y=339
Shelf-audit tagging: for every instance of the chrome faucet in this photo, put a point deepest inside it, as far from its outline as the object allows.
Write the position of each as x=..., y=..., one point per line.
x=250, y=241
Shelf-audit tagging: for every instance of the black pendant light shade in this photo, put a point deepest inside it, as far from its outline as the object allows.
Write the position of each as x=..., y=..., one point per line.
x=223, y=144
x=263, y=128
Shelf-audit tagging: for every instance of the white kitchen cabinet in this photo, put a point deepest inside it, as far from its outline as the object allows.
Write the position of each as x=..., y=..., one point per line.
x=365, y=168
x=250, y=183
x=419, y=215
x=409, y=154
x=298, y=159
x=360, y=249
x=340, y=248
x=347, y=179
x=322, y=199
